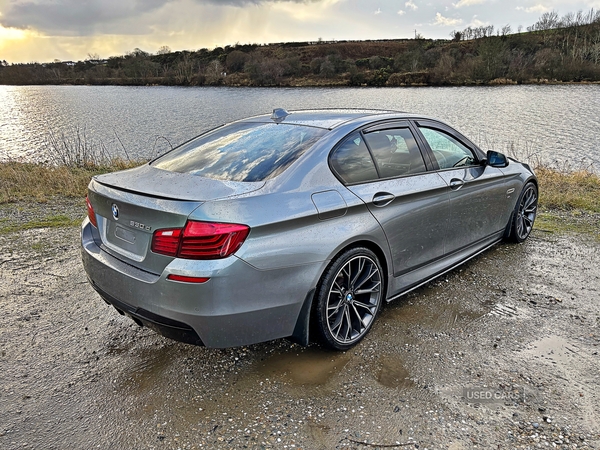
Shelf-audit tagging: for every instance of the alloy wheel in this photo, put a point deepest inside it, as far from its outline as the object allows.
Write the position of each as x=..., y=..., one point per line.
x=353, y=300
x=526, y=213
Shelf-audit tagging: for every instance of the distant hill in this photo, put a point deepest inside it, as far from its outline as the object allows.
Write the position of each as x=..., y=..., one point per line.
x=552, y=50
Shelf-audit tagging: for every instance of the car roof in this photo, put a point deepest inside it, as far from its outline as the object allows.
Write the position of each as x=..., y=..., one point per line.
x=327, y=118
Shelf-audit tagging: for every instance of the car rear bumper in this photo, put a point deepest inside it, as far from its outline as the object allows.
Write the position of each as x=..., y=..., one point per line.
x=238, y=305
x=169, y=328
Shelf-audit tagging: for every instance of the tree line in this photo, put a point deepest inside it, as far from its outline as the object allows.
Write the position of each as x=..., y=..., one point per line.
x=554, y=49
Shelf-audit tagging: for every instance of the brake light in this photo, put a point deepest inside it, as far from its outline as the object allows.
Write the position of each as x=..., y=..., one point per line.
x=91, y=213
x=200, y=240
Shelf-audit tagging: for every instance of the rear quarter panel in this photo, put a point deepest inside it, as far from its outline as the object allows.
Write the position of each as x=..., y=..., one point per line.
x=286, y=229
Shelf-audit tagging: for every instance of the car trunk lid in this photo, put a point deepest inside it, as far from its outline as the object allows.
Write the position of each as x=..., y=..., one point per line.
x=131, y=205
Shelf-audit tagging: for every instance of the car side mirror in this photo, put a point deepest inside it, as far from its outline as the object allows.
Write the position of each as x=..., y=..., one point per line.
x=496, y=159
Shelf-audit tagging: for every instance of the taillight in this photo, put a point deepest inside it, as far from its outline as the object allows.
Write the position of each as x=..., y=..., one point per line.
x=91, y=213
x=200, y=240
x=206, y=240
x=166, y=242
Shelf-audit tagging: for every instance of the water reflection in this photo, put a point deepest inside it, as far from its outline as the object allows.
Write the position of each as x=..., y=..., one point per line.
x=557, y=122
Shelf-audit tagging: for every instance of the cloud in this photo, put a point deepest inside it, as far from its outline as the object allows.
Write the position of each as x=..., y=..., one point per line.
x=74, y=17
x=477, y=23
x=445, y=21
x=378, y=11
x=401, y=13
x=411, y=5
x=462, y=3
x=539, y=8
x=86, y=18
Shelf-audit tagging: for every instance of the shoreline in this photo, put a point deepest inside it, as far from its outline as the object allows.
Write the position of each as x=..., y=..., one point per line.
x=340, y=84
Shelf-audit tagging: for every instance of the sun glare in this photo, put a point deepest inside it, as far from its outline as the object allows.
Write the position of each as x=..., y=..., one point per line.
x=305, y=13
x=9, y=34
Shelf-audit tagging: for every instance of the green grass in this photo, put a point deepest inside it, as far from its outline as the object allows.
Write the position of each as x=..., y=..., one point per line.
x=569, y=202
x=38, y=246
x=55, y=221
x=550, y=221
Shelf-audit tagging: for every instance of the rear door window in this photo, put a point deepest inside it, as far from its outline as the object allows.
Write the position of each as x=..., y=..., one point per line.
x=396, y=152
x=352, y=162
x=242, y=151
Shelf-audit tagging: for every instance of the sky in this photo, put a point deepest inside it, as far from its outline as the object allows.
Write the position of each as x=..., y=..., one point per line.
x=73, y=30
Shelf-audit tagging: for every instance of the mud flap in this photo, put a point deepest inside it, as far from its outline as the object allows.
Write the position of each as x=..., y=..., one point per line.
x=508, y=228
x=301, y=330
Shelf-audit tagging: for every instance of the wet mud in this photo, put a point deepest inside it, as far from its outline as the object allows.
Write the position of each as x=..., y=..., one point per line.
x=519, y=319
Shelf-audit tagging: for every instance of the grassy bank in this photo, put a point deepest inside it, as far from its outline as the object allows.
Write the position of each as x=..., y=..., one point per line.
x=568, y=201
x=569, y=191
x=40, y=183
x=35, y=182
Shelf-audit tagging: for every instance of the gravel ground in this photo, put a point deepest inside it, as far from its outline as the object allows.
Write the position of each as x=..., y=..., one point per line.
x=520, y=322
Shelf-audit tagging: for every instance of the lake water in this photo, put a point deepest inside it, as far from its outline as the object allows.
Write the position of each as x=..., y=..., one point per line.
x=560, y=124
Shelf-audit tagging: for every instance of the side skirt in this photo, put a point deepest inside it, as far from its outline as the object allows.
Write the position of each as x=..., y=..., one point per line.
x=440, y=267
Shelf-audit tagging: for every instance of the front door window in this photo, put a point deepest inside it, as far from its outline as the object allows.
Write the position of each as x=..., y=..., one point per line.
x=448, y=151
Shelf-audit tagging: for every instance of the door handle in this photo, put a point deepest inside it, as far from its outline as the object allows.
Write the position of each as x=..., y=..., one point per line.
x=456, y=184
x=383, y=198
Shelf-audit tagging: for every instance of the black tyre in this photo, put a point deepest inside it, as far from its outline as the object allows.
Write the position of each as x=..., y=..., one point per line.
x=348, y=298
x=524, y=214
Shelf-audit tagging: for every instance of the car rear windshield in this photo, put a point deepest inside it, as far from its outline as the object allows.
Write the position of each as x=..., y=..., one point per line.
x=242, y=151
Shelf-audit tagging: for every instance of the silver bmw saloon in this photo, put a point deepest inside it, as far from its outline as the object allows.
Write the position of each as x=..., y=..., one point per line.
x=297, y=224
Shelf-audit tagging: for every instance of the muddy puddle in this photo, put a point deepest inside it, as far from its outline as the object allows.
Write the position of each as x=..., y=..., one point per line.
x=575, y=366
x=440, y=315
x=391, y=373
x=312, y=366
x=554, y=350
x=149, y=368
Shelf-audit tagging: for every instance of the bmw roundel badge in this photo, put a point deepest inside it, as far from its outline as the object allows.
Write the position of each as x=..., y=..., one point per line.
x=115, y=211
